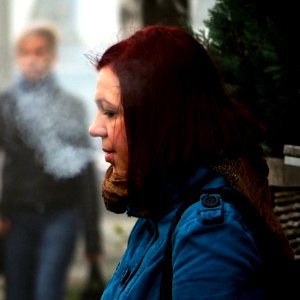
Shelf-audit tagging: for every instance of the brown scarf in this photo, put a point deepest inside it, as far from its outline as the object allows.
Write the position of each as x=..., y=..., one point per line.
x=114, y=191
x=254, y=185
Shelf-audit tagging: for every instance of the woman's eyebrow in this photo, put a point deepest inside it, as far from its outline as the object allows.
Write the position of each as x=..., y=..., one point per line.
x=101, y=102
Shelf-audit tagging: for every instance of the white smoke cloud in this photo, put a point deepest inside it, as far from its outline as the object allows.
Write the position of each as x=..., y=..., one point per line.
x=54, y=126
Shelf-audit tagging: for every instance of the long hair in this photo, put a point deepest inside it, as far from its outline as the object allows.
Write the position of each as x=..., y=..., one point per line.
x=177, y=114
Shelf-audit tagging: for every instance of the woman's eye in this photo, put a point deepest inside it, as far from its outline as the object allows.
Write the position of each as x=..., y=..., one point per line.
x=109, y=113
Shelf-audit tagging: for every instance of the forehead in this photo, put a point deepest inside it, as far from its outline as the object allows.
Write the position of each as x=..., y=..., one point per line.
x=32, y=41
x=107, y=82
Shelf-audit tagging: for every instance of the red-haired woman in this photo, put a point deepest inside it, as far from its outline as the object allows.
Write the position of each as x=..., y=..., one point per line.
x=186, y=161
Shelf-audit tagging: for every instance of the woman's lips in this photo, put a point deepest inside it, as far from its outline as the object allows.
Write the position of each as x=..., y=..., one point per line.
x=108, y=157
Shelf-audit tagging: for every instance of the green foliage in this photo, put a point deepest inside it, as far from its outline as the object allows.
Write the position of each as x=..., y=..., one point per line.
x=253, y=44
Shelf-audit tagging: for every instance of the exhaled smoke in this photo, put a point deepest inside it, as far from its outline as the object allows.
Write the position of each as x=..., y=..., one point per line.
x=65, y=161
x=54, y=126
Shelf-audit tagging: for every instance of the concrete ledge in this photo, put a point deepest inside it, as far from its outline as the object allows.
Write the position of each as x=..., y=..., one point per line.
x=291, y=155
x=282, y=174
x=291, y=150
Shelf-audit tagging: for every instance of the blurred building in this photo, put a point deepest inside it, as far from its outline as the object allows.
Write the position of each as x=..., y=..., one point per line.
x=5, y=51
x=136, y=13
x=63, y=13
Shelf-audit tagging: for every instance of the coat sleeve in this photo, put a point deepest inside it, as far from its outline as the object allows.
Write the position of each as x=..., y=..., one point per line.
x=89, y=181
x=216, y=260
x=90, y=210
x=2, y=125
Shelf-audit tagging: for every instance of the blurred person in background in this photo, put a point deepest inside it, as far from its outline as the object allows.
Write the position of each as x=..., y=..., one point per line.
x=50, y=192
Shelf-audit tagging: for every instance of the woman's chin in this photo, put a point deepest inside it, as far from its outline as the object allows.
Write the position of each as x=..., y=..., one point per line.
x=119, y=171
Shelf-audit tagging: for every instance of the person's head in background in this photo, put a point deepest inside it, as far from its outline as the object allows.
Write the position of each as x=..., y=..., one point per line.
x=35, y=50
x=177, y=115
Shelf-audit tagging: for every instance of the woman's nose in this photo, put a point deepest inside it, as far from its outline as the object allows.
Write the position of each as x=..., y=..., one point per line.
x=97, y=128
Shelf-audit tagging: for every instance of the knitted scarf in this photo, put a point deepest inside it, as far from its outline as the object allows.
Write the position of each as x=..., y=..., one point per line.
x=248, y=178
x=114, y=191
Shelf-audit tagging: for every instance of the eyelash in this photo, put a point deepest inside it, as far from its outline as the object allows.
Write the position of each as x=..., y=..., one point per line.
x=109, y=113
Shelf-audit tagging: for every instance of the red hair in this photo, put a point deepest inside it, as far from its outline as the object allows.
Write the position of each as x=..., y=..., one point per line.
x=177, y=114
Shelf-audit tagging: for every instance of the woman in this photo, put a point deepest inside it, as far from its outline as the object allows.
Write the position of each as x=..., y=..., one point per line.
x=173, y=136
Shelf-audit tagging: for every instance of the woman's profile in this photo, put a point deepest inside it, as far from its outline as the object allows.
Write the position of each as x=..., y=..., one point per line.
x=175, y=140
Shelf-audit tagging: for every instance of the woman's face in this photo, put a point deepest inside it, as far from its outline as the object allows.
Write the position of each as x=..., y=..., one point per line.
x=109, y=121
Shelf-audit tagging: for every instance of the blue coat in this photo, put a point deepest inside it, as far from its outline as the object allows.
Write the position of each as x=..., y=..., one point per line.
x=211, y=260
